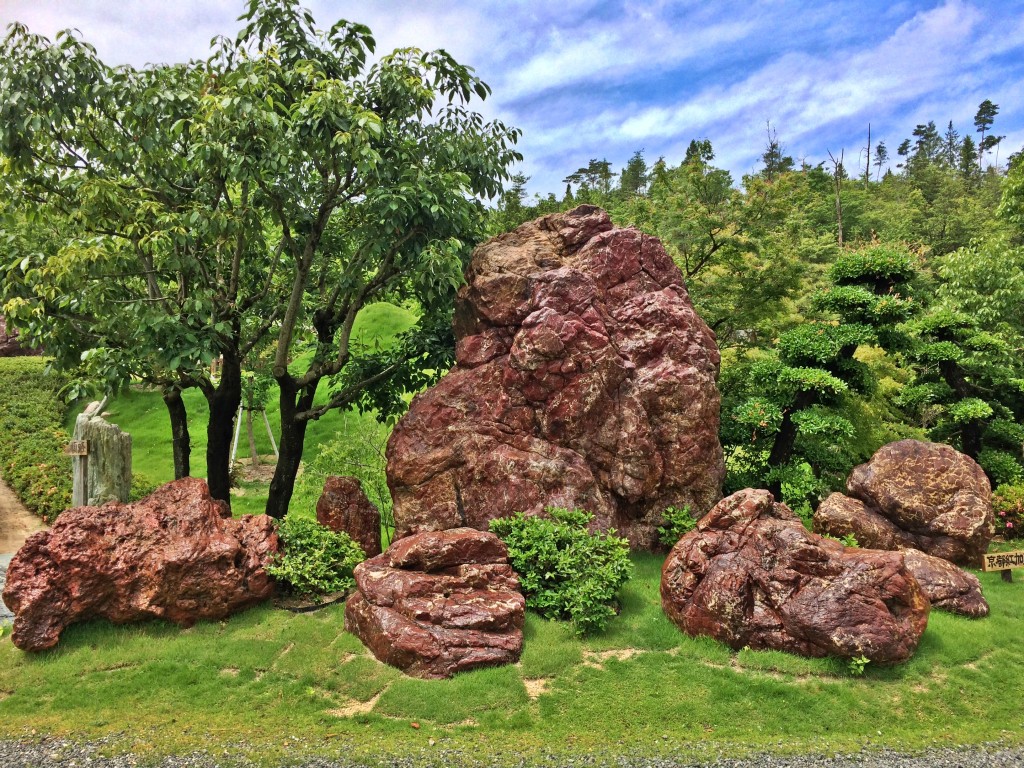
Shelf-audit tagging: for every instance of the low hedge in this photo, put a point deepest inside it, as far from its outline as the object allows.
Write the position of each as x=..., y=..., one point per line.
x=33, y=437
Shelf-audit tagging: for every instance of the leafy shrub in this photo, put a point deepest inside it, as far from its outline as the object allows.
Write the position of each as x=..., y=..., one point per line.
x=1001, y=466
x=141, y=487
x=678, y=523
x=32, y=436
x=1008, y=506
x=566, y=572
x=315, y=560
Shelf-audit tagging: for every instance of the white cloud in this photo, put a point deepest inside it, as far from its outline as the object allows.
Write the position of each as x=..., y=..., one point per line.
x=601, y=78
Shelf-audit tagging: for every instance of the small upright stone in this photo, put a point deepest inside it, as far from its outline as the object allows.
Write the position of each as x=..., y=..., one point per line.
x=439, y=602
x=344, y=508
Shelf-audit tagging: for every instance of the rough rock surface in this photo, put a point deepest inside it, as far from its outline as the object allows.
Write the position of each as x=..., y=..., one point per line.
x=584, y=378
x=343, y=507
x=925, y=496
x=946, y=586
x=439, y=602
x=750, y=574
x=175, y=555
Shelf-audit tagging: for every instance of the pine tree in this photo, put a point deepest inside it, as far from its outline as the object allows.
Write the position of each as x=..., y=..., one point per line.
x=983, y=120
x=951, y=146
x=787, y=412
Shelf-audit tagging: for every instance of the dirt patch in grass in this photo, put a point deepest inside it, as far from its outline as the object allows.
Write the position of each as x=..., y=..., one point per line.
x=251, y=472
x=353, y=708
x=537, y=686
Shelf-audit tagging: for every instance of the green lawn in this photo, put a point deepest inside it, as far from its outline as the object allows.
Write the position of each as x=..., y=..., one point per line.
x=283, y=683
x=271, y=685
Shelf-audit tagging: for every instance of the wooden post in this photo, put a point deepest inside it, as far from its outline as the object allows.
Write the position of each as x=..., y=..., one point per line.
x=270, y=433
x=1004, y=562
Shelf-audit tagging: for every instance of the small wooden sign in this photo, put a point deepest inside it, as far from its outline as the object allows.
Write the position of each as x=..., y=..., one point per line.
x=1003, y=561
x=77, y=448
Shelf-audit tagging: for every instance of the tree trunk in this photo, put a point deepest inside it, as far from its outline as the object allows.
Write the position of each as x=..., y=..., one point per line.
x=867, y=165
x=181, y=445
x=785, y=439
x=971, y=432
x=839, y=206
x=224, y=402
x=293, y=439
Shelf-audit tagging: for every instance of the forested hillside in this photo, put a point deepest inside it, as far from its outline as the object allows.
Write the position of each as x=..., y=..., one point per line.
x=853, y=306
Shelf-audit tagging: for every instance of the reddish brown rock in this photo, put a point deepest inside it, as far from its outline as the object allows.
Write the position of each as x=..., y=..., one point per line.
x=172, y=556
x=437, y=603
x=9, y=344
x=343, y=507
x=840, y=515
x=947, y=587
x=927, y=496
x=750, y=574
x=584, y=378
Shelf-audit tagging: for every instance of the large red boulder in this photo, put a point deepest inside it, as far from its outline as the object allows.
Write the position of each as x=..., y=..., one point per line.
x=173, y=555
x=439, y=602
x=583, y=378
x=750, y=574
x=925, y=496
x=344, y=508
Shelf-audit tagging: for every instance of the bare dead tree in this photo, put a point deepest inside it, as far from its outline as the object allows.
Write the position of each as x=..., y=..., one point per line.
x=837, y=175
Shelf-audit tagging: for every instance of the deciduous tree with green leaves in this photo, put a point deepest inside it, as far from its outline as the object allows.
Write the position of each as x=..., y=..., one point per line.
x=274, y=189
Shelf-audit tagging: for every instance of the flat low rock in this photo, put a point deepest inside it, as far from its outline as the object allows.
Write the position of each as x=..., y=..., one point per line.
x=437, y=603
x=915, y=494
x=947, y=587
x=175, y=555
x=750, y=575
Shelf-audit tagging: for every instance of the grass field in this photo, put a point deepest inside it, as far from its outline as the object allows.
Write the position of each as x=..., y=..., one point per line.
x=269, y=684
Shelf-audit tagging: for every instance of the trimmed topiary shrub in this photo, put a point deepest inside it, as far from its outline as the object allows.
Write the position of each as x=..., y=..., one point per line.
x=565, y=571
x=314, y=560
x=32, y=436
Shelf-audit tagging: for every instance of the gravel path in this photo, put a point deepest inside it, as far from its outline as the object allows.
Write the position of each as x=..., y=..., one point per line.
x=55, y=752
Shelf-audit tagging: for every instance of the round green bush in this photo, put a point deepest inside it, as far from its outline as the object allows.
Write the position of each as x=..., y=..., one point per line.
x=565, y=571
x=314, y=560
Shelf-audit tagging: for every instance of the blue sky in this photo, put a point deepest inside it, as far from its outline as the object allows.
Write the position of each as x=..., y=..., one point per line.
x=586, y=79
